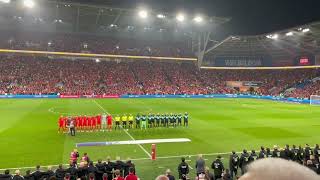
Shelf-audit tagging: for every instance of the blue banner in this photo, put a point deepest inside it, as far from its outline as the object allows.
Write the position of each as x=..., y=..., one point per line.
x=28, y=96
x=274, y=98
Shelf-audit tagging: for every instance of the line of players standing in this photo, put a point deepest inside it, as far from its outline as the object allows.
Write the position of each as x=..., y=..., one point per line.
x=105, y=122
x=144, y=121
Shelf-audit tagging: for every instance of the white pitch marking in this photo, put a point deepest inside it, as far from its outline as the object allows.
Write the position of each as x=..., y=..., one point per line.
x=143, y=149
x=144, y=141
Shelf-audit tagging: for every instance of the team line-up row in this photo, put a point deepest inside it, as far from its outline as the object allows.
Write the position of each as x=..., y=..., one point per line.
x=106, y=122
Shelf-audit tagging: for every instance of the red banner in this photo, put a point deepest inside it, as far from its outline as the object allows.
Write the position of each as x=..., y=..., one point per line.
x=69, y=96
x=89, y=96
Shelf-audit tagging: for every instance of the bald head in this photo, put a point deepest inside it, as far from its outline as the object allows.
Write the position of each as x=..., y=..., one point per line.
x=162, y=177
x=278, y=169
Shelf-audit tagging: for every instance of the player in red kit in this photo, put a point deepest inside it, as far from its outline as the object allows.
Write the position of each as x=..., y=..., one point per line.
x=86, y=124
x=94, y=123
x=90, y=123
x=65, y=119
x=109, y=122
x=78, y=119
x=61, y=124
x=82, y=123
x=99, y=121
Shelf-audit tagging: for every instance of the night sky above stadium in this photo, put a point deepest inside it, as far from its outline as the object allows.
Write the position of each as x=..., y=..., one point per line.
x=248, y=16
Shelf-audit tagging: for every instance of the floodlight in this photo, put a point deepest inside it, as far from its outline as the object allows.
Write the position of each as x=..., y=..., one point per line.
x=5, y=1
x=113, y=26
x=275, y=36
x=198, y=19
x=60, y=20
x=289, y=33
x=143, y=14
x=161, y=16
x=28, y=3
x=180, y=17
x=272, y=36
x=305, y=30
x=97, y=60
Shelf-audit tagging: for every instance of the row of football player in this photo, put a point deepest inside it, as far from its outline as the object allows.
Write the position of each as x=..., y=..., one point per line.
x=104, y=122
x=144, y=121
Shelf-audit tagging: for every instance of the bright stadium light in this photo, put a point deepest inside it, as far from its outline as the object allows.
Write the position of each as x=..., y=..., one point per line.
x=289, y=33
x=5, y=1
x=272, y=36
x=275, y=36
x=305, y=30
x=161, y=16
x=143, y=14
x=198, y=19
x=180, y=17
x=28, y=3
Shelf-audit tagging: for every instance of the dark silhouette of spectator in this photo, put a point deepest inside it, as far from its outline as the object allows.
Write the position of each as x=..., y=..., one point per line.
x=60, y=172
x=37, y=174
x=6, y=175
x=17, y=176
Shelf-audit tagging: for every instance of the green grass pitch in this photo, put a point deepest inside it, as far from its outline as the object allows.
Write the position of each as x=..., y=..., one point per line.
x=28, y=130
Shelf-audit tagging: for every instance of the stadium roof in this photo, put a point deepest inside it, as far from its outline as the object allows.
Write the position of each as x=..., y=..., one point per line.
x=290, y=42
x=82, y=17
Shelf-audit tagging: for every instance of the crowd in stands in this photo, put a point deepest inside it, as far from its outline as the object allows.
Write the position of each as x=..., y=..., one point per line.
x=312, y=88
x=91, y=44
x=119, y=170
x=40, y=75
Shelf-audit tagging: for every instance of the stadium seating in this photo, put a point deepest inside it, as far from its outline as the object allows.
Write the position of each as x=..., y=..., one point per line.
x=39, y=75
x=90, y=44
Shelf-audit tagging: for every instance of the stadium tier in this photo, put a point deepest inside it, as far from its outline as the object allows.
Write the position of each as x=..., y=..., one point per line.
x=39, y=75
x=63, y=42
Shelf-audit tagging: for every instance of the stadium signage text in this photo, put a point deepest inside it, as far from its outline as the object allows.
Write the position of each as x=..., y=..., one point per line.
x=245, y=63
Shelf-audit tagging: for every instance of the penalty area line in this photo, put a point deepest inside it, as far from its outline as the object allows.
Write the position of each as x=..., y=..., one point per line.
x=142, y=148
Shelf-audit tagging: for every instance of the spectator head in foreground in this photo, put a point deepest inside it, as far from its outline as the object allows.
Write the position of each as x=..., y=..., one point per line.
x=117, y=173
x=17, y=172
x=278, y=169
x=162, y=177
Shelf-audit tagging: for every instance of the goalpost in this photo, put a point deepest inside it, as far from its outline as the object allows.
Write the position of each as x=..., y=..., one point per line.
x=315, y=100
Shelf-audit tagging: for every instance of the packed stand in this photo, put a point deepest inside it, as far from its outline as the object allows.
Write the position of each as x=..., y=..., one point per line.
x=312, y=88
x=40, y=75
x=91, y=44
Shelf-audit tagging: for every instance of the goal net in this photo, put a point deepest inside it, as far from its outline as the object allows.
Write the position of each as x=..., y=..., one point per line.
x=314, y=100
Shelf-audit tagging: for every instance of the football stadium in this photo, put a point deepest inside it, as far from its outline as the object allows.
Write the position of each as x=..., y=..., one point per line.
x=96, y=90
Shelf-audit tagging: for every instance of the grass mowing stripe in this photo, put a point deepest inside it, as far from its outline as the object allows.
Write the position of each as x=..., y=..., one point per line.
x=142, y=148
